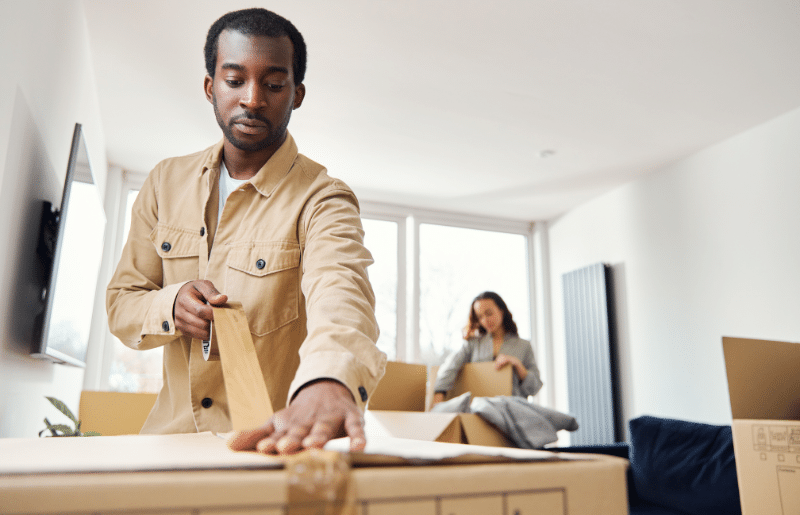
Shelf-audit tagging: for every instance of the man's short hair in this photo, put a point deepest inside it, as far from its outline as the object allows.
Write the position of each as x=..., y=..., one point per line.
x=257, y=22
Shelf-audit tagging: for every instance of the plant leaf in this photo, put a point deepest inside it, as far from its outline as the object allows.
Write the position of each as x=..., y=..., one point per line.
x=65, y=429
x=60, y=406
x=49, y=427
x=91, y=433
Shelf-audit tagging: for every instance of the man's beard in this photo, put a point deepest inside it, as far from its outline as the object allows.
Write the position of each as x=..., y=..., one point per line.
x=273, y=136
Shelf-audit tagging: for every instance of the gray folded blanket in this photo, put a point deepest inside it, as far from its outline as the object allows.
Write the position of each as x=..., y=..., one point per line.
x=527, y=425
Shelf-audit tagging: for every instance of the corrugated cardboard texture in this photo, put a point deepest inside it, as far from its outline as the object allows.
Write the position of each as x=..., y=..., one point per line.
x=114, y=413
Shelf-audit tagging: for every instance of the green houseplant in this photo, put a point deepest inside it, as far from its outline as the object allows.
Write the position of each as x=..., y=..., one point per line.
x=64, y=429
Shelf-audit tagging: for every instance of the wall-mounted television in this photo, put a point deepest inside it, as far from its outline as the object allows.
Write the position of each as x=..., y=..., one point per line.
x=68, y=256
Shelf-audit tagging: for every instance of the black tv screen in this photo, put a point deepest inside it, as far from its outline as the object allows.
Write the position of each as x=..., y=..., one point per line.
x=69, y=253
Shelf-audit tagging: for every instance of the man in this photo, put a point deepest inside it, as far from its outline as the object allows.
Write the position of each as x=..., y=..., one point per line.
x=252, y=220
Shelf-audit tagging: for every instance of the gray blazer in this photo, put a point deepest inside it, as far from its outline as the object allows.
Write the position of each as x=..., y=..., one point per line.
x=476, y=350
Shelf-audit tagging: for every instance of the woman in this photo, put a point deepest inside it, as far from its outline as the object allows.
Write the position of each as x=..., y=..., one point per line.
x=491, y=335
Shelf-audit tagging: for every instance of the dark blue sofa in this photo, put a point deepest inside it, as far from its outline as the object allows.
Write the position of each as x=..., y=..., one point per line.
x=677, y=467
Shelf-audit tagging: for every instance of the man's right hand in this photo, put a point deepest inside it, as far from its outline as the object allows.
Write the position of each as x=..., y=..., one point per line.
x=192, y=312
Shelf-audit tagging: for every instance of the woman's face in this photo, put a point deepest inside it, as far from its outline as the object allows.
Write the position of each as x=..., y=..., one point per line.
x=489, y=315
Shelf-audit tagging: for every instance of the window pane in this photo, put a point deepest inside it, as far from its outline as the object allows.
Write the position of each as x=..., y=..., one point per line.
x=133, y=370
x=457, y=264
x=381, y=239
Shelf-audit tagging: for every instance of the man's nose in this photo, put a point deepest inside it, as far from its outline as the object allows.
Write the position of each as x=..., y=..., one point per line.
x=253, y=97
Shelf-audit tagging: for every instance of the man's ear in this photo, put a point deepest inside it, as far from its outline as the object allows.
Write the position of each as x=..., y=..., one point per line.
x=208, y=88
x=299, y=95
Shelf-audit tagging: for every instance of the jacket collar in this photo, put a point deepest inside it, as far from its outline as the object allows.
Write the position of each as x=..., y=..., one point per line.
x=270, y=174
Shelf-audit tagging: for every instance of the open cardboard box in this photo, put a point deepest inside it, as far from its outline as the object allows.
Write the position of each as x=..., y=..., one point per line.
x=764, y=387
x=400, y=405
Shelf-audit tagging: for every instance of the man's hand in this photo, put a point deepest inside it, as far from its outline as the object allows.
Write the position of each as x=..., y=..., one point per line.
x=504, y=359
x=437, y=398
x=320, y=411
x=191, y=313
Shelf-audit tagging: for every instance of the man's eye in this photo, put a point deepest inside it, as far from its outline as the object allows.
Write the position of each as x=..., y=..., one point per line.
x=233, y=82
x=274, y=87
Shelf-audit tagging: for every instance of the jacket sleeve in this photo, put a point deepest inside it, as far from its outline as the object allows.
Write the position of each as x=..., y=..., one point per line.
x=533, y=382
x=139, y=307
x=449, y=370
x=340, y=303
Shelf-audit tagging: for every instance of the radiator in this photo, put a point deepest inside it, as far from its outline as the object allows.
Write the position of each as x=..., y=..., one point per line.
x=590, y=337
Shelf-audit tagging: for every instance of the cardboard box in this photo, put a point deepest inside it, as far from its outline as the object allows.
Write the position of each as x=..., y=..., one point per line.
x=114, y=413
x=397, y=405
x=764, y=387
x=196, y=474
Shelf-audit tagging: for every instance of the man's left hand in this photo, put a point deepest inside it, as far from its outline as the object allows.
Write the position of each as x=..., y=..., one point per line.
x=319, y=412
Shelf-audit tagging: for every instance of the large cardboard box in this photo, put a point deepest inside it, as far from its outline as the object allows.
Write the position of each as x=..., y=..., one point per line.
x=397, y=407
x=764, y=387
x=197, y=475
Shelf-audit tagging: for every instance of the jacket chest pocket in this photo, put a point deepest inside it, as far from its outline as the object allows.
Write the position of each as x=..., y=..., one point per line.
x=265, y=278
x=179, y=252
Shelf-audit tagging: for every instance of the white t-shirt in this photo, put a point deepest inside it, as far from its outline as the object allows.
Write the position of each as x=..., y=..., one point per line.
x=226, y=185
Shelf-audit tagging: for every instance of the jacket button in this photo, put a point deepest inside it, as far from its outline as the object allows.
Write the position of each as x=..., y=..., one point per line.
x=202, y=231
x=207, y=402
x=260, y=264
x=363, y=392
x=165, y=326
x=166, y=247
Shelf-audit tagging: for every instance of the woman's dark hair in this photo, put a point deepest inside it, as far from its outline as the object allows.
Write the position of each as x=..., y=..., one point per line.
x=473, y=326
x=257, y=22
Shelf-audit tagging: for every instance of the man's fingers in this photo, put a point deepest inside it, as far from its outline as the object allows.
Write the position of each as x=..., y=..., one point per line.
x=209, y=293
x=247, y=440
x=291, y=442
x=354, y=427
x=319, y=435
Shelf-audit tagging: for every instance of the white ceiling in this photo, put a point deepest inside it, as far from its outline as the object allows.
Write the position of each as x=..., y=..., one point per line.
x=448, y=104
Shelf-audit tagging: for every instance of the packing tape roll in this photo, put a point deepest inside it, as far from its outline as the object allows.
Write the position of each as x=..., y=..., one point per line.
x=248, y=399
x=318, y=483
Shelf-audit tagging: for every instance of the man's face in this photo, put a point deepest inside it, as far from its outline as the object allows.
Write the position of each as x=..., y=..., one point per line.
x=253, y=91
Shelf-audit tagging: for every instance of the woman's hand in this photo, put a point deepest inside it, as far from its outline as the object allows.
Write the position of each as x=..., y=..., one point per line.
x=504, y=359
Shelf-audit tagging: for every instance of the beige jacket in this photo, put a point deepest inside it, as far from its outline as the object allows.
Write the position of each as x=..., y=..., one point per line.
x=289, y=247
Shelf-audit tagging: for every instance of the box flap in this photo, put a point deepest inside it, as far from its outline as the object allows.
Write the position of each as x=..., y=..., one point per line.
x=402, y=388
x=128, y=453
x=479, y=432
x=483, y=380
x=207, y=451
x=763, y=378
x=410, y=424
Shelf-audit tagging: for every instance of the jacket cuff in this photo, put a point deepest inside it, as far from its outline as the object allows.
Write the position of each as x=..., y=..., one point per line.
x=159, y=320
x=341, y=367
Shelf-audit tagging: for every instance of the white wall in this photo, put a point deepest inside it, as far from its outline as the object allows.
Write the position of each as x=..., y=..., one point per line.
x=705, y=247
x=47, y=86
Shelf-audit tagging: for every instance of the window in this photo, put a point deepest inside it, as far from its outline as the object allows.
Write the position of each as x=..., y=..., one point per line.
x=455, y=265
x=132, y=370
x=381, y=239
